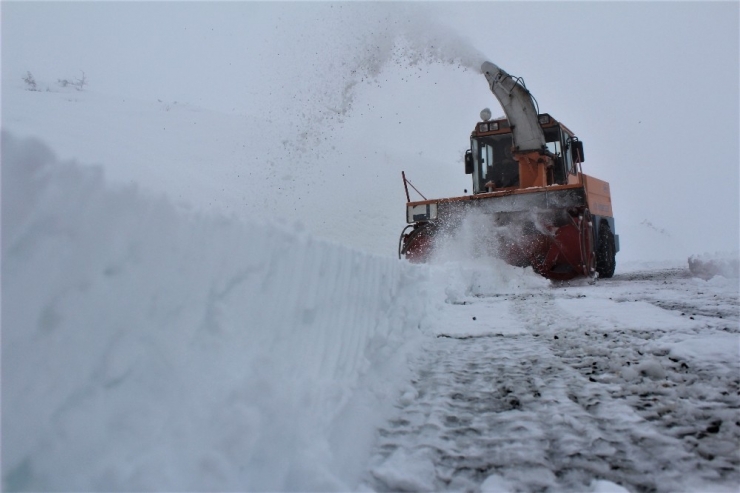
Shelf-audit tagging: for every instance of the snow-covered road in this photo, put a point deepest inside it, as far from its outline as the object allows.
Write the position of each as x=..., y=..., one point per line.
x=633, y=381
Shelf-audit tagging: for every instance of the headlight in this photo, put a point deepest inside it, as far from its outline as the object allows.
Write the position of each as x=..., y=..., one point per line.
x=494, y=126
x=483, y=127
x=544, y=119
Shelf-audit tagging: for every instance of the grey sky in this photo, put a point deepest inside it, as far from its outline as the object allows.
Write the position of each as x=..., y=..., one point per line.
x=651, y=88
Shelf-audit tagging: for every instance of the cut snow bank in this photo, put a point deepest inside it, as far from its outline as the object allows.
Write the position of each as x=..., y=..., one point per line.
x=144, y=348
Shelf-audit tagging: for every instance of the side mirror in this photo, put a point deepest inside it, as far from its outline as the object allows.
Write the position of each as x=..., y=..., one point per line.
x=576, y=151
x=468, y=162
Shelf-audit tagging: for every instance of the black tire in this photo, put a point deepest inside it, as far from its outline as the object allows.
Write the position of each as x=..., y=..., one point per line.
x=606, y=253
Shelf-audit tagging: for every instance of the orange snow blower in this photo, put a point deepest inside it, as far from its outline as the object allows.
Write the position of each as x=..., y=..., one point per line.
x=540, y=209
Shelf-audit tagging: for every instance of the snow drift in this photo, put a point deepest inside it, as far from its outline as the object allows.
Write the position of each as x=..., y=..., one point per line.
x=148, y=348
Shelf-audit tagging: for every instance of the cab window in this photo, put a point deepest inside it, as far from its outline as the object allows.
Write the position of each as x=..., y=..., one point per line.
x=494, y=163
x=553, y=139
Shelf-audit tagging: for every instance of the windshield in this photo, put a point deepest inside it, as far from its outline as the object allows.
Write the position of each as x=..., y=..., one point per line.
x=494, y=166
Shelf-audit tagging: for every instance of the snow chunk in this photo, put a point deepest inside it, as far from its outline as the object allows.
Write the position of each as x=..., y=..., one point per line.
x=651, y=368
x=604, y=486
x=407, y=471
x=496, y=484
x=725, y=347
x=629, y=373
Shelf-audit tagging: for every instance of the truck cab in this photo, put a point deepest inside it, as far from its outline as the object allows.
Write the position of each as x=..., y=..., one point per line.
x=491, y=157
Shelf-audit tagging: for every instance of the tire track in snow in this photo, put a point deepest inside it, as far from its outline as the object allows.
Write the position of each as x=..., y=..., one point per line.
x=622, y=446
x=676, y=290
x=558, y=407
x=693, y=401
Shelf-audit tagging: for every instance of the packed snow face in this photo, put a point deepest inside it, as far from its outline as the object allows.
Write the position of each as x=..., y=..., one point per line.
x=629, y=384
x=144, y=348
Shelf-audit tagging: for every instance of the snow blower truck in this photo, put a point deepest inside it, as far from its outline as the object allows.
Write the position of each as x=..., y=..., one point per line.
x=537, y=206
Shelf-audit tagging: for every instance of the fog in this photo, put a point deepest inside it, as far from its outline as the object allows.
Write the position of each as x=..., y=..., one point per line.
x=358, y=92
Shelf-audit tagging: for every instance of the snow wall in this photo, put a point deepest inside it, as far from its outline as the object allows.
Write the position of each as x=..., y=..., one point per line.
x=145, y=348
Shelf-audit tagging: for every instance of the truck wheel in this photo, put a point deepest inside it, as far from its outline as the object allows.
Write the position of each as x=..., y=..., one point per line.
x=605, y=253
x=416, y=246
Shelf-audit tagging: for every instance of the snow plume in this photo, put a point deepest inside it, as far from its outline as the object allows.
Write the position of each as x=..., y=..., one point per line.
x=468, y=261
x=708, y=265
x=464, y=240
x=144, y=348
x=402, y=35
x=358, y=43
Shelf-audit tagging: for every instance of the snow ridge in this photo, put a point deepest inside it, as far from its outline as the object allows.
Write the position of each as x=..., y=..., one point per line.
x=147, y=348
